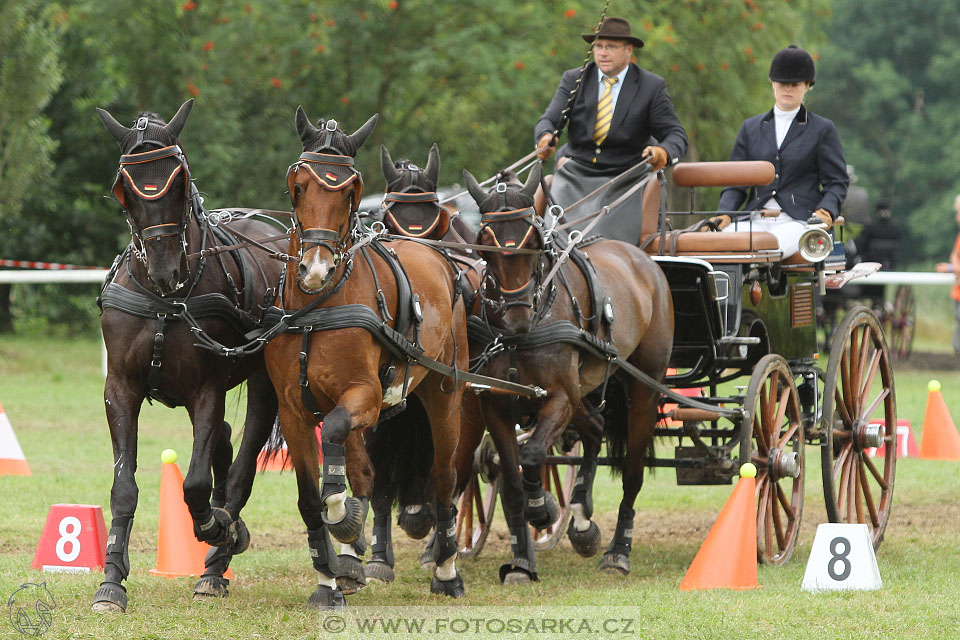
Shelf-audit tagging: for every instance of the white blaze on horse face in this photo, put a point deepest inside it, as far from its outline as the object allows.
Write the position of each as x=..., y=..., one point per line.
x=315, y=269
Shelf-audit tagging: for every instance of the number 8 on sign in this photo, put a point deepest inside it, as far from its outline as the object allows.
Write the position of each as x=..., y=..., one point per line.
x=842, y=558
x=69, y=535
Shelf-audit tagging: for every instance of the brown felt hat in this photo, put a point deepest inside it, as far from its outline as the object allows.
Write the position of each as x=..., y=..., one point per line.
x=614, y=29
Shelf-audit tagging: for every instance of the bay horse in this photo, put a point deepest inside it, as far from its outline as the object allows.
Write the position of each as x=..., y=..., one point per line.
x=174, y=283
x=400, y=447
x=565, y=335
x=383, y=309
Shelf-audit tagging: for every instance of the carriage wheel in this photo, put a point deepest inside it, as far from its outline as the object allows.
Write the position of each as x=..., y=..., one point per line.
x=859, y=412
x=478, y=502
x=558, y=482
x=773, y=431
x=902, y=320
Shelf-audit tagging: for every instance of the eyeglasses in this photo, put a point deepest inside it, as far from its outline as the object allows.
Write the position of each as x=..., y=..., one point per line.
x=608, y=47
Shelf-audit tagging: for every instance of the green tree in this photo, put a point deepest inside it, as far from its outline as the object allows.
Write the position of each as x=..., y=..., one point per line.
x=29, y=74
x=889, y=84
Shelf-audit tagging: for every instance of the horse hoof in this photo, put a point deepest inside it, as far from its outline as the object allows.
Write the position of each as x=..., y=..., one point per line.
x=417, y=525
x=110, y=598
x=614, y=563
x=546, y=515
x=211, y=586
x=453, y=588
x=379, y=572
x=243, y=538
x=349, y=529
x=586, y=543
x=327, y=599
x=352, y=577
x=517, y=577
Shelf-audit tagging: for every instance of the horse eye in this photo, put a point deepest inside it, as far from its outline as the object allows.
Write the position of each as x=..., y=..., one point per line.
x=297, y=192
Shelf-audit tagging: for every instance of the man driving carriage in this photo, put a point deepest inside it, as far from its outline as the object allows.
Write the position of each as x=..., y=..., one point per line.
x=620, y=115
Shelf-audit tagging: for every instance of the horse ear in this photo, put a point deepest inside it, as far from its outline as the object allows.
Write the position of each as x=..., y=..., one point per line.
x=433, y=164
x=114, y=128
x=175, y=126
x=476, y=191
x=386, y=164
x=360, y=135
x=305, y=128
x=533, y=181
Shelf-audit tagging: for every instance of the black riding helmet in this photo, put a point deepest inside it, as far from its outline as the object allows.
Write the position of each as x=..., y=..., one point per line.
x=792, y=64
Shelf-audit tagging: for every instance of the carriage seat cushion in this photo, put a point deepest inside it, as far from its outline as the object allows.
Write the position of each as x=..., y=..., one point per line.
x=712, y=243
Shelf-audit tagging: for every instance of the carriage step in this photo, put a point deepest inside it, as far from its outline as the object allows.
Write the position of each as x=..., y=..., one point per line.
x=739, y=340
x=684, y=414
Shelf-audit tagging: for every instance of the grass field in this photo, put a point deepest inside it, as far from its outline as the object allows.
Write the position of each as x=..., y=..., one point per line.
x=52, y=393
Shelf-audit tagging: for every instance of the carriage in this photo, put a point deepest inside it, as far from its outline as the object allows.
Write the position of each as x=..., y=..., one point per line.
x=747, y=382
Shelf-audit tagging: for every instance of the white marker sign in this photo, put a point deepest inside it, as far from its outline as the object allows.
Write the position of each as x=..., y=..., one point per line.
x=842, y=558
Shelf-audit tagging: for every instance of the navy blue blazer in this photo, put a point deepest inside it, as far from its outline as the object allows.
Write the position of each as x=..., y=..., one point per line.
x=811, y=172
x=644, y=109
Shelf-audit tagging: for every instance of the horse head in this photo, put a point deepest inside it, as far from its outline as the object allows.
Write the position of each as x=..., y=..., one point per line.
x=411, y=206
x=325, y=189
x=153, y=187
x=508, y=221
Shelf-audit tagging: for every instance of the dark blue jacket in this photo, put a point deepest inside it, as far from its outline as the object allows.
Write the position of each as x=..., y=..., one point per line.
x=644, y=109
x=811, y=172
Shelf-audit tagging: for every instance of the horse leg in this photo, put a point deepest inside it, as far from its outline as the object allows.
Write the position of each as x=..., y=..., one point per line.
x=583, y=532
x=258, y=424
x=541, y=508
x=351, y=577
x=123, y=409
x=358, y=408
x=212, y=525
x=522, y=568
x=443, y=411
x=642, y=417
x=299, y=432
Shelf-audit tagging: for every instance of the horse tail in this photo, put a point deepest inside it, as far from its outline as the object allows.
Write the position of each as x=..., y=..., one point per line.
x=275, y=444
x=401, y=451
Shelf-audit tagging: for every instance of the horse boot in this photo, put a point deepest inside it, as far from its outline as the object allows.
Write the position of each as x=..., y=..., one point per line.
x=216, y=527
x=583, y=532
x=428, y=557
x=212, y=582
x=343, y=515
x=111, y=597
x=327, y=596
x=617, y=557
x=522, y=569
x=442, y=582
x=351, y=577
x=380, y=565
x=416, y=520
x=540, y=509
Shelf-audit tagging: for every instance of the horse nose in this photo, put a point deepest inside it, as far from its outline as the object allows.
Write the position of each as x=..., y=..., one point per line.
x=313, y=273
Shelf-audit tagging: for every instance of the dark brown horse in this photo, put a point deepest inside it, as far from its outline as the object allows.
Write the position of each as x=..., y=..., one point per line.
x=616, y=295
x=379, y=307
x=160, y=298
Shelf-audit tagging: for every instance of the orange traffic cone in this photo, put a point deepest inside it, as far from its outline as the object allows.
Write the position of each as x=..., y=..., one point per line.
x=727, y=559
x=179, y=553
x=12, y=460
x=939, y=440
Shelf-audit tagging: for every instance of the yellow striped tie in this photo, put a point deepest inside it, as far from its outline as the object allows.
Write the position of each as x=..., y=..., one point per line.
x=604, y=112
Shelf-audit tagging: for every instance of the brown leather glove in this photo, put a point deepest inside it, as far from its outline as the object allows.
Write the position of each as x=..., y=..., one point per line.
x=824, y=217
x=720, y=221
x=656, y=156
x=546, y=146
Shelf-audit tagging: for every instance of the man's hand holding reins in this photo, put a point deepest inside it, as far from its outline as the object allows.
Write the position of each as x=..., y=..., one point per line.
x=656, y=157
x=546, y=146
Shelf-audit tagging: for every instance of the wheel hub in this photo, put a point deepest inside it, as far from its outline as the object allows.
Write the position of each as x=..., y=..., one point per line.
x=869, y=435
x=783, y=464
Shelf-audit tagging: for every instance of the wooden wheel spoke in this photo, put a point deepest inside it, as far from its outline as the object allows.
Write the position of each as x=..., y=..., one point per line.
x=788, y=434
x=871, y=373
x=785, y=503
x=773, y=391
x=866, y=340
x=868, y=498
x=782, y=405
x=763, y=413
x=555, y=472
x=759, y=436
x=868, y=411
x=478, y=500
x=778, y=528
x=845, y=398
x=875, y=473
x=857, y=489
x=842, y=407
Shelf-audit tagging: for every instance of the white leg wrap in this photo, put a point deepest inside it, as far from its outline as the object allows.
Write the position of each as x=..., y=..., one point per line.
x=324, y=581
x=580, y=522
x=335, y=509
x=447, y=570
x=347, y=550
x=413, y=508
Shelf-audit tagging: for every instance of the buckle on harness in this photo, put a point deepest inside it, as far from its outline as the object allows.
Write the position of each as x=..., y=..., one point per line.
x=142, y=122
